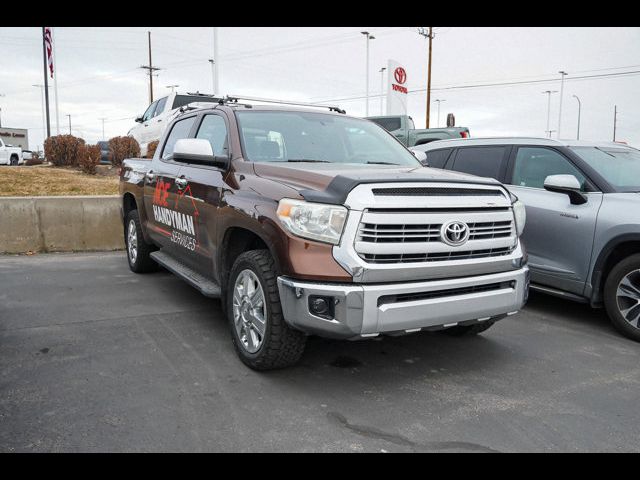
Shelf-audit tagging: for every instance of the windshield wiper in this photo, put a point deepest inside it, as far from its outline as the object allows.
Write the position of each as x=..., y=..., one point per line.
x=304, y=160
x=382, y=163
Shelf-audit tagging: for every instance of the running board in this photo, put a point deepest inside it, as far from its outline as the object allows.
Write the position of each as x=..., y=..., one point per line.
x=193, y=278
x=558, y=293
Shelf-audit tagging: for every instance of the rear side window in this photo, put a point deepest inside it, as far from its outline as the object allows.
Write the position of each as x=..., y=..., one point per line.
x=437, y=158
x=481, y=161
x=389, y=124
x=180, y=130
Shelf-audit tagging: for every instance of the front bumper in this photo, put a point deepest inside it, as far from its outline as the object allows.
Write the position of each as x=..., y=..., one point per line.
x=364, y=310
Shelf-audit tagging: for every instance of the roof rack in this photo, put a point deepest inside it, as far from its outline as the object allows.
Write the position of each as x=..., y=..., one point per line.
x=234, y=99
x=201, y=94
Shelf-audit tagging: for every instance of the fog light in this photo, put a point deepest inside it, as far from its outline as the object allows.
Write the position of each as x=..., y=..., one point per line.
x=322, y=306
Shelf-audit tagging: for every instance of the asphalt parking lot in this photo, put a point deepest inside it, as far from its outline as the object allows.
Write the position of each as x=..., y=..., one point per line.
x=96, y=358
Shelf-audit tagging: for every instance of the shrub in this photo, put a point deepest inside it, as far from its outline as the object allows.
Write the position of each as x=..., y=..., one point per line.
x=123, y=147
x=89, y=158
x=151, y=148
x=63, y=150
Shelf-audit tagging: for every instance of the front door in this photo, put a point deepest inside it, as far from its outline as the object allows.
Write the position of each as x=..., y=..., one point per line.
x=200, y=196
x=558, y=236
x=162, y=192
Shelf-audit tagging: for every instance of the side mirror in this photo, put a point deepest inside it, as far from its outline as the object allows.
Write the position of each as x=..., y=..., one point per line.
x=197, y=150
x=421, y=156
x=567, y=184
x=139, y=119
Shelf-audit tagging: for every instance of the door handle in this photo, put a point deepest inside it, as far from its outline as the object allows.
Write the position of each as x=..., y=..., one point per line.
x=181, y=183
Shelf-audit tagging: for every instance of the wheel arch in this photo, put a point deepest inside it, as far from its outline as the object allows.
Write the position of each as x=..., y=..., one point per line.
x=613, y=252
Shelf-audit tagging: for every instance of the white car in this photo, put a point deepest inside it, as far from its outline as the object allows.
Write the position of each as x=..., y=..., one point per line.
x=10, y=155
x=152, y=123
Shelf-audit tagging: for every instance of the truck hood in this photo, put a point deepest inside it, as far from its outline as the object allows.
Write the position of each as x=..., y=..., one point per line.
x=332, y=182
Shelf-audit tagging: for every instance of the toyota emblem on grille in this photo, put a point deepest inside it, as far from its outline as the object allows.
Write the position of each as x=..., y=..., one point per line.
x=455, y=233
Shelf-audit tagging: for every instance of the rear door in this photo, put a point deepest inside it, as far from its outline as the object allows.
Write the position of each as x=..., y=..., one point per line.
x=157, y=122
x=161, y=192
x=558, y=235
x=4, y=156
x=200, y=197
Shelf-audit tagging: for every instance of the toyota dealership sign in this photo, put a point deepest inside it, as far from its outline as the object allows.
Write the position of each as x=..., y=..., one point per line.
x=397, y=90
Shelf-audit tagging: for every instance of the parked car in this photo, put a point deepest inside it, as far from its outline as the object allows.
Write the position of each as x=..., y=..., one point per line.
x=403, y=128
x=583, y=214
x=105, y=152
x=152, y=123
x=313, y=222
x=10, y=155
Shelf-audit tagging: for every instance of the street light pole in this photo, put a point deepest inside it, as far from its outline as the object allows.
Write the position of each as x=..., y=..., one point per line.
x=563, y=74
x=382, y=69
x=549, y=92
x=44, y=121
x=439, y=101
x=215, y=61
x=1, y=95
x=68, y=115
x=368, y=37
x=579, y=109
x=172, y=87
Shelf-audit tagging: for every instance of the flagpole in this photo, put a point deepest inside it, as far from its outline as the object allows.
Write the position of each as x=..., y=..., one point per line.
x=55, y=81
x=46, y=83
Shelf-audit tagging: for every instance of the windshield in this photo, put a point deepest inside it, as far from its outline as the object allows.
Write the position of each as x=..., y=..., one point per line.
x=619, y=166
x=274, y=136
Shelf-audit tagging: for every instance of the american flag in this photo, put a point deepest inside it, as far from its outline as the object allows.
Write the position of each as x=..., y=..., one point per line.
x=48, y=42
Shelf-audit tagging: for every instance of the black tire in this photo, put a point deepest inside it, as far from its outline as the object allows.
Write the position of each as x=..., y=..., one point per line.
x=14, y=160
x=613, y=305
x=468, y=330
x=142, y=263
x=281, y=346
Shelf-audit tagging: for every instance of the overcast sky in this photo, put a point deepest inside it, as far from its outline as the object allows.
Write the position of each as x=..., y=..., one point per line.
x=99, y=74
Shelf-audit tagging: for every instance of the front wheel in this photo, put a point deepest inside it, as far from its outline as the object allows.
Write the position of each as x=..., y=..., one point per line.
x=622, y=297
x=260, y=334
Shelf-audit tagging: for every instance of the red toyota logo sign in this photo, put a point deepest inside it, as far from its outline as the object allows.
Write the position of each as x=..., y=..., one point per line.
x=400, y=75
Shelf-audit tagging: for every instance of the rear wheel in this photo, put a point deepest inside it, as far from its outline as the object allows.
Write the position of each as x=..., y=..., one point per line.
x=468, y=330
x=138, y=250
x=260, y=334
x=622, y=297
x=14, y=160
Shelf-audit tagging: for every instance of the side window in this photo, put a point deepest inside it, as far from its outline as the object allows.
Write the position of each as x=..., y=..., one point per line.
x=149, y=113
x=482, y=161
x=214, y=129
x=389, y=124
x=160, y=106
x=437, y=158
x=533, y=164
x=180, y=130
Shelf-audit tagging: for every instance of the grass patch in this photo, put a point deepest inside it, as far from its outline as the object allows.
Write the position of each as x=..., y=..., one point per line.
x=43, y=181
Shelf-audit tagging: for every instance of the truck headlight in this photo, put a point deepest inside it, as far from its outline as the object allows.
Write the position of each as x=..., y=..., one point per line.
x=520, y=215
x=315, y=221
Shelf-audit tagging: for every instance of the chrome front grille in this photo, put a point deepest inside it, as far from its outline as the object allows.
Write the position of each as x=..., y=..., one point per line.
x=416, y=235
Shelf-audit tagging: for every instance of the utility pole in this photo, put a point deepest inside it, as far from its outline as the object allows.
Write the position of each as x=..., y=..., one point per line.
x=213, y=74
x=151, y=69
x=579, y=109
x=369, y=37
x=563, y=74
x=439, y=101
x=69, y=115
x=46, y=85
x=615, y=121
x=549, y=92
x=103, y=119
x=382, y=88
x=215, y=62
x=423, y=31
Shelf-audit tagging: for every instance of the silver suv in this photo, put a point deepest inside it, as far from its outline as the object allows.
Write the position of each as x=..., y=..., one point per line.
x=583, y=213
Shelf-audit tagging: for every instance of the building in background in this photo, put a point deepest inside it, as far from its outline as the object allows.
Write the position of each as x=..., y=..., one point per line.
x=18, y=137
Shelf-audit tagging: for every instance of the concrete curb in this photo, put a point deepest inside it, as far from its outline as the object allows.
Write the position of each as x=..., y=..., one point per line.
x=60, y=224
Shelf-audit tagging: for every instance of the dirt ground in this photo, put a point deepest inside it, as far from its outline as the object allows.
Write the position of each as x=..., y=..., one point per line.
x=38, y=181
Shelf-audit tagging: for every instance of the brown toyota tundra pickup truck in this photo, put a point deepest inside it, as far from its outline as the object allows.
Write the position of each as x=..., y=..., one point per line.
x=306, y=221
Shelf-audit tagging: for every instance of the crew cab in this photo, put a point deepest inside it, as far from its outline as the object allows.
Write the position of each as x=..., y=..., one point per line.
x=152, y=123
x=403, y=128
x=583, y=209
x=311, y=222
x=10, y=155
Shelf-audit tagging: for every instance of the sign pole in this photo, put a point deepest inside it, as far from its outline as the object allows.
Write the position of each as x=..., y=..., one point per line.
x=46, y=83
